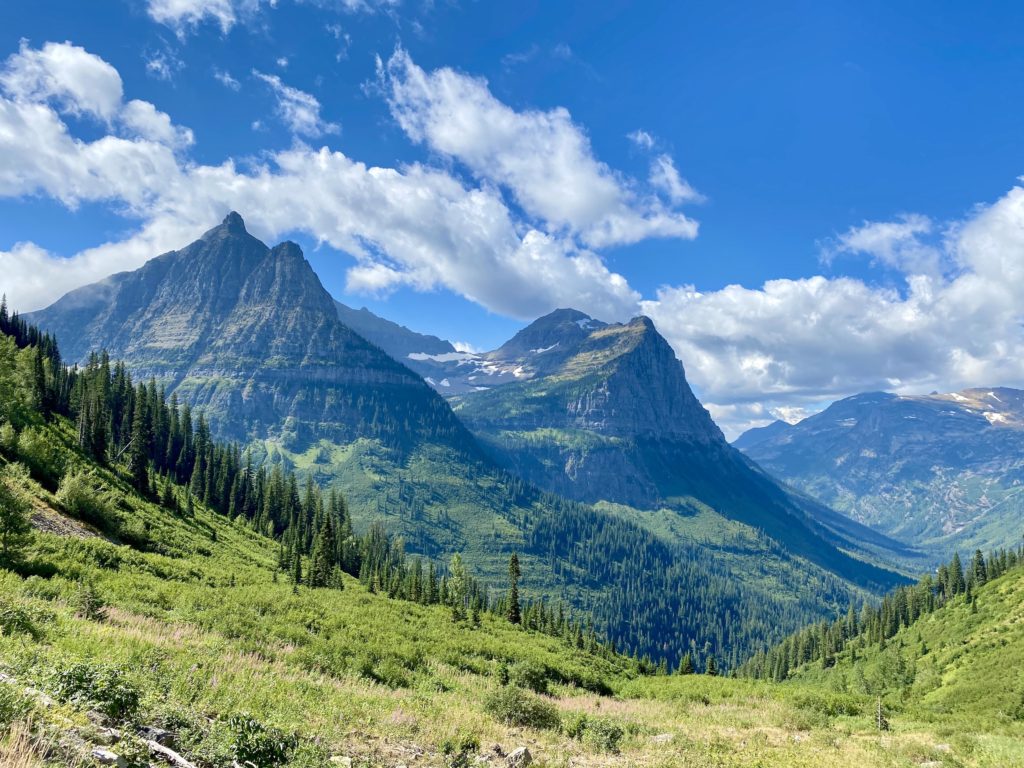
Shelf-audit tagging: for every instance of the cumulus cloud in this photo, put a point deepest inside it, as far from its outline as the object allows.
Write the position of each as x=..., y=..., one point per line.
x=542, y=158
x=796, y=343
x=899, y=244
x=753, y=353
x=415, y=225
x=79, y=82
x=300, y=111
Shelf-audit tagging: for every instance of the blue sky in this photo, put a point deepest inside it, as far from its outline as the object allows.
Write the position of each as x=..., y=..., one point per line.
x=871, y=147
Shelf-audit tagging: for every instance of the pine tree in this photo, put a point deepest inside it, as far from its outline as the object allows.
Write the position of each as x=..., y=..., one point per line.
x=321, y=562
x=711, y=668
x=978, y=569
x=138, y=452
x=514, y=610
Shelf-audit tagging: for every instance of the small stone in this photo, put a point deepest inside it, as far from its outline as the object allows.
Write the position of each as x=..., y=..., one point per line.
x=106, y=757
x=519, y=758
x=96, y=718
x=662, y=738
x=341, y=760
x=43, y=700
x=107, y=736
x=159, y=735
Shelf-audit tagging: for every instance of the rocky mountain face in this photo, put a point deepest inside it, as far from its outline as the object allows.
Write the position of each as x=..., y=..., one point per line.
x=941, y=470
x=248, y=334
x=397, y=340
x=603, y=412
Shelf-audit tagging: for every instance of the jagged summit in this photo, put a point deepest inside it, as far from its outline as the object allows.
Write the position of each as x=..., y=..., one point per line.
x=233, y=222
x=249, y=334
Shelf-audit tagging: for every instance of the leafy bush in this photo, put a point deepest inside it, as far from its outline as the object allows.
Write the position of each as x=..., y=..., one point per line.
x=575, y=725
x=459, y=750
x=104, y=688
x=41, y=456
x=531, y=675
x=16, y=620
x=8, y=439
x=599, y=733
x=603, y=734
x=259, y=745
x=78, y=497
x=14, y=705
x=512, y=705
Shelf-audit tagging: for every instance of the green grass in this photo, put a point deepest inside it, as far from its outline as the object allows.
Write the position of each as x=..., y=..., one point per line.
x=196, y=635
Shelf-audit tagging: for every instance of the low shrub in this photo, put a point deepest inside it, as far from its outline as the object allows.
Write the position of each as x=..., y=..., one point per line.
x=42, y=457
x=603, y=734
x=458, y=751
x=599, y=733
x=530, y=675
x=14, y=705
x=77, y=495
x=17, y=620
x=513, y=706
x=101, y=687
x=260, y=745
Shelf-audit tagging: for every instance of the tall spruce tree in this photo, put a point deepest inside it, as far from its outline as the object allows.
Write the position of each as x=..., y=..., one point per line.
x=514, y=610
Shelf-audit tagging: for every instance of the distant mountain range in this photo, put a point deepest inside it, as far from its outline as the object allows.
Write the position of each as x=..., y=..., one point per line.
x=941, y=470
x=689, y=535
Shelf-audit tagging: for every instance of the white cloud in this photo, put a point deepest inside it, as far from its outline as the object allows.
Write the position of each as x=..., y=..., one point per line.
x=543, y=158
x=642, y=139
x=299, y=110
x=77, y=81
x=895, y=244
x=282, y=62
x=665, y=177
x=225, y=79
x=181, y=15
x=150, y=123
x=795, y=343
x=184, y=15
x=417, y=225
x=163, y=65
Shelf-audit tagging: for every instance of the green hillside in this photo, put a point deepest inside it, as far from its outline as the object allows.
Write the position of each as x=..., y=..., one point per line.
x=247, y=336
x=185, y=622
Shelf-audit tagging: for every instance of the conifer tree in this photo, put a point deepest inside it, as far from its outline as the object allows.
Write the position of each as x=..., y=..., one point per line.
x=138, y=452
x=514, y=611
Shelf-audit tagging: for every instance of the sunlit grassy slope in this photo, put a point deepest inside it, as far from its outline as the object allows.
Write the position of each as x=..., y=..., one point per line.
x=195, y=623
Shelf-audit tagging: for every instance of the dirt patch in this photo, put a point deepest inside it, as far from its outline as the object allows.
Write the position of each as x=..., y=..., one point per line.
x=50, y=520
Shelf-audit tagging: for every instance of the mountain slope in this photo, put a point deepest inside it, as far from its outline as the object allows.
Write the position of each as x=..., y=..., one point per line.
x=248, y=334
x=943, y=470
x=204, y=642
x=397, y=340
x=604, y=413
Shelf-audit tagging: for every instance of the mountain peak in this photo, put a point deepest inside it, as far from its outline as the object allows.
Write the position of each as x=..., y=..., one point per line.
x=287, y=249
x=233, y=222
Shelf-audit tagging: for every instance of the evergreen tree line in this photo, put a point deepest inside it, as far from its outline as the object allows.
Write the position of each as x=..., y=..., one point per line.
x=875, y=624
x=662, y=602
x=168, y=453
